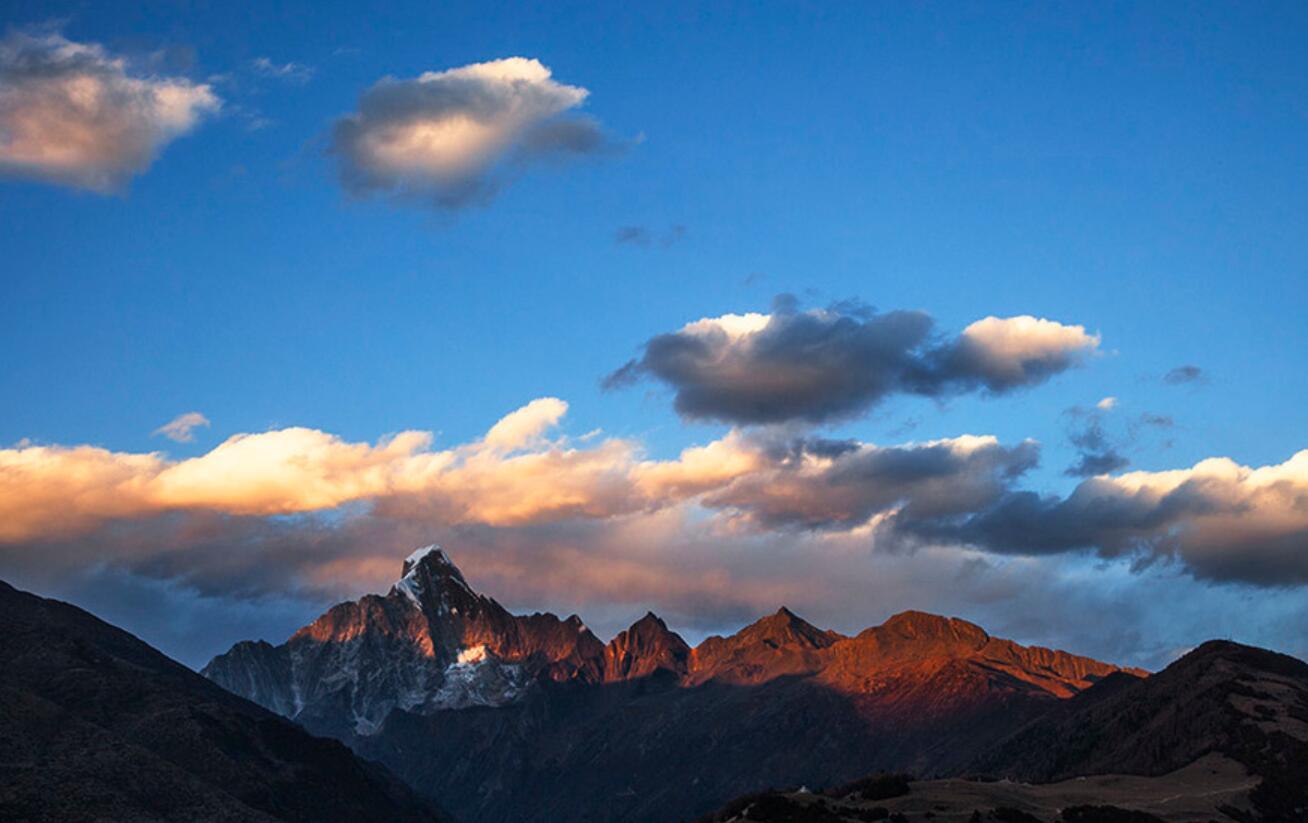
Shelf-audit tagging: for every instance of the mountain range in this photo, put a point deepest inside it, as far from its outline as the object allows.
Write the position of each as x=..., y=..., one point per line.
x=451, y=708
x=527, y=718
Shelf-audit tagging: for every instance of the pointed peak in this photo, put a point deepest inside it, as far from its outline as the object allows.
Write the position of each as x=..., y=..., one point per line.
x=650, y=620
x=785, y=627
x=432, y=555
x=783, y=618
x=426, y=570
x=650, y=629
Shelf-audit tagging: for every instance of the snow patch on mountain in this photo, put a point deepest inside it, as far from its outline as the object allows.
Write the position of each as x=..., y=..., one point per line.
x=479, y=678
x=418, y=554
x=472, y=654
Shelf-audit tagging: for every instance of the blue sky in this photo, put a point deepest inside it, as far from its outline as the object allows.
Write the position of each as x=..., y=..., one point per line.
x=1136, y=169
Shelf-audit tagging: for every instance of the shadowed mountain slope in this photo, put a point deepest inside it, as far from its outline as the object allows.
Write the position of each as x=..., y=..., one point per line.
x=1245, y=703
x=95, y=725
x=1219, y=735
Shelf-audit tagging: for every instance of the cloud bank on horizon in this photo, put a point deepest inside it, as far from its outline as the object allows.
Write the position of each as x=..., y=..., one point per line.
x=74, y=115
x=283, y=492
x=450, y=138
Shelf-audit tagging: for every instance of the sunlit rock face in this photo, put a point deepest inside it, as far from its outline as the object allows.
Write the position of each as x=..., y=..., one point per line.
x=430, y=643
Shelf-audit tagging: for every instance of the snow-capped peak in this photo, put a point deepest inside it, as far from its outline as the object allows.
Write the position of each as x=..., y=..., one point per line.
x=408, y=584
x=438, y=566
x=414, y=559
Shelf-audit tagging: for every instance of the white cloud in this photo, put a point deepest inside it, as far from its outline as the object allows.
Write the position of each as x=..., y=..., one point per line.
x=443, y=136
x=1011, y=351
x=182, y=428
x=72, y=114
x=527, y=425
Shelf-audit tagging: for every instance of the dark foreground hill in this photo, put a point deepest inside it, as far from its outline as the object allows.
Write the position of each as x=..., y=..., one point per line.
x=1247, y=704
x=1221, y=734
x=97, y=726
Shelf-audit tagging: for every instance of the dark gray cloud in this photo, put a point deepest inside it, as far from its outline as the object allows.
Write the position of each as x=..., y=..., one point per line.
x=1089, y=464
x=824, y=365
x=1097, y=453
x=1160, y=421
x=452, y=138
x=632, y=235
x=1221, y=521
x=840, y=484
x=645, y=236
x=1185, y=374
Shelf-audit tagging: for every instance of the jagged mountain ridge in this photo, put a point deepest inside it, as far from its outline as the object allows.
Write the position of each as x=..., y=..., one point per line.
x=534, y=718
x=432, y=643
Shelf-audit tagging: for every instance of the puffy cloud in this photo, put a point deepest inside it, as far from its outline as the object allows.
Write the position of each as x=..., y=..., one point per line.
x=181, y=429
x=525, y=426
x=72, y=114
x=511, y=476
x=826, y=364
x=1003, y=353
x=445, y=136
x=1221, y=520
x=826, y=484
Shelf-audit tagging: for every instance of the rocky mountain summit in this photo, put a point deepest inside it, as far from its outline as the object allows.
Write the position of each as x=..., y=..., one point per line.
x=431, y=643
